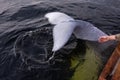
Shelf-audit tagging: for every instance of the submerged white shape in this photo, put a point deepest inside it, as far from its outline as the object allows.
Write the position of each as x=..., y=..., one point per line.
x=65, y=26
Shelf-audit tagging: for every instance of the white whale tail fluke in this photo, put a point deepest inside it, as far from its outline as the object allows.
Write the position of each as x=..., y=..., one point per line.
x=57, y=17
x=66, y=25
x=87, y=31
x=61, y=34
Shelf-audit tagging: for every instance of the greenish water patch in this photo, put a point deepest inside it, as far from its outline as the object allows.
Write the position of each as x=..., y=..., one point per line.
x=88, y=68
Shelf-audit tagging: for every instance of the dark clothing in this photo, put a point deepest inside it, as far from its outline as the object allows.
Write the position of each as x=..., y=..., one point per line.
x=117, y=37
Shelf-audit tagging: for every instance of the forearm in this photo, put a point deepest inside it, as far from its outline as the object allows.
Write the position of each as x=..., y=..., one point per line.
x=112, y=37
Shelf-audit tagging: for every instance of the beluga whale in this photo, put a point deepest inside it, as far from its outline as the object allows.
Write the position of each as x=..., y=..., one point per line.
x=65, y=26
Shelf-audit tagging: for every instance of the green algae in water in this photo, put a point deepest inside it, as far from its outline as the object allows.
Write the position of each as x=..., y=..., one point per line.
x=88, y=68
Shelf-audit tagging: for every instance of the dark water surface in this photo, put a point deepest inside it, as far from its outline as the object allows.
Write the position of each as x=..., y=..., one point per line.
x=26, y=39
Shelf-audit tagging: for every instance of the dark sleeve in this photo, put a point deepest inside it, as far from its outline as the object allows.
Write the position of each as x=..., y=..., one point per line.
x=117, y=37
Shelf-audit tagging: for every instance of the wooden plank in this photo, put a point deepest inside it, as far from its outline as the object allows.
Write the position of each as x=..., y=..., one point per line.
x=116, y=75
x=111, y=64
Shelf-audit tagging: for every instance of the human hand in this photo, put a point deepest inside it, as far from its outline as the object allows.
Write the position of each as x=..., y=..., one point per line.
x=103, y=39
x=106, y=38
